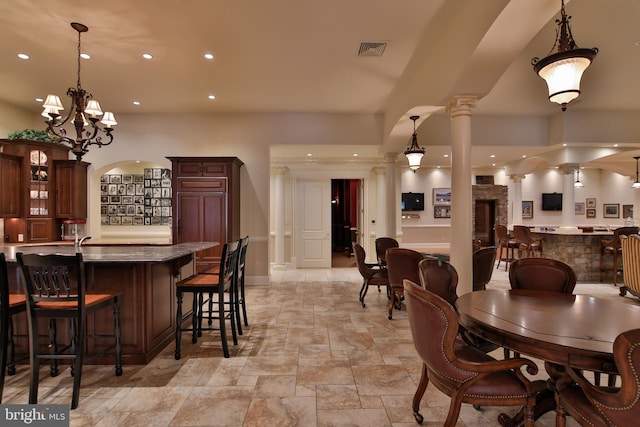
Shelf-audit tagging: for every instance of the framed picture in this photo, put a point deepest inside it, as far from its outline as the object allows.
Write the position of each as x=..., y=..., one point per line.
x=442, y=212
x=579, y=208
x=611, y=210
x=591, y=213
x=627, y=211
x=591, y=203
x=527, y=209
x=441, y=196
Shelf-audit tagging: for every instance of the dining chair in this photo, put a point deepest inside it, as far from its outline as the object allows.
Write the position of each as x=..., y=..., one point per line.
x=216, y=286
x=526, y=242
x=631, y=259
x=402, y=264
x=10, y=304
x=542, y=274
x=483, y=261
x=598, y=406
x=613, y=248
x=239, y=297
x=464, y=373
x=506, y=246
x=56, y=288
x=441, y=278
x=372, y=274
x=382, y=244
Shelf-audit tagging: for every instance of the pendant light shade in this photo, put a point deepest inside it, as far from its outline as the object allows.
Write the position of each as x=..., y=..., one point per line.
x=562, y=70
x=636, y=184
x=578, y=184
x=414, y=153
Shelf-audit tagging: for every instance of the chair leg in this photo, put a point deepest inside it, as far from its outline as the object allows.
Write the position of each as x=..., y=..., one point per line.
x=34, y=363
x=223, y=330
x=236, y=301
x=53, y=346
x=615, y=269
x=10, y=356
x=363, y=293
x=243, y=303
x=76, y=365
x=196, y=317
x=417, y=397
x=4, y=350
x=179, y=296
x=392, y=301
x=118, y=338
x=232, y=315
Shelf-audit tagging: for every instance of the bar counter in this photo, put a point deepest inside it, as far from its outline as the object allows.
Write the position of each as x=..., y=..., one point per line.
x=146, y=276
x=577, y=248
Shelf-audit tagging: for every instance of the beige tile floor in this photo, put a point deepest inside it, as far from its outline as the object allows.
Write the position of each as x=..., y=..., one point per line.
x=312, y=356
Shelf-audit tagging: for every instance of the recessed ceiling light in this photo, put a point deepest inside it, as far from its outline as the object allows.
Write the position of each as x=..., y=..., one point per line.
x=438, y=167
x=147, y=56
x=492, y=156
x=85, y=56
x=39, y=100
x=309, y=154
x=615, y=145
x=137, y=161
x=208, y=56
x=212, y=97
x=136, y=102
x=23, y=56
x=446, y=155
x=524, y=156
x=493, y=164
x=564, y=145
x=355, y=154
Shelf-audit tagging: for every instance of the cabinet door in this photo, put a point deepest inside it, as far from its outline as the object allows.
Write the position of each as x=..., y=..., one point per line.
x=188, y=169
x=71, y=189
x=10, y=186
x=40, y=230
x=201, y=217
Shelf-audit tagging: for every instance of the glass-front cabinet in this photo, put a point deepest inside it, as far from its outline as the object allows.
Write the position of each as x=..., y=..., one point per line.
x=41, y=187
x=39, y=184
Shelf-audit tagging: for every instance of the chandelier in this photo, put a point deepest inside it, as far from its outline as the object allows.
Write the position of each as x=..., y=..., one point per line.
x=84, y=113
x=562, y=69
x=414, y=153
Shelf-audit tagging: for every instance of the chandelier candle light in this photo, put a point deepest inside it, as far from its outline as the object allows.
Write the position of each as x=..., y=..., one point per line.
x=562, y=69
x=414, y=153
x=85, y=111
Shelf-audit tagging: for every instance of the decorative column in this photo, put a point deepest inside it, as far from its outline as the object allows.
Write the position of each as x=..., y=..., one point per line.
x=391, y=206
x=516, y=211
x=636, y=204
x=381, y=206
x=461, y=204
x=278, y=211
x=568, y=195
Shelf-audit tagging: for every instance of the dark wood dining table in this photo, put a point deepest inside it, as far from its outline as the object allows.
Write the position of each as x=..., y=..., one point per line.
x=562, y=330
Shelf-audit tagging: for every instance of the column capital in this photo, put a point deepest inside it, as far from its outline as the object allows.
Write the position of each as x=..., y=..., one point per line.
x=461, y=105
x=568, y=168
x=379, y=170
x=517, y=178
x=279, y=170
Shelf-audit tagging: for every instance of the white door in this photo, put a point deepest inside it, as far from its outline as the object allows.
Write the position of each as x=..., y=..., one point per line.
x=313, y=223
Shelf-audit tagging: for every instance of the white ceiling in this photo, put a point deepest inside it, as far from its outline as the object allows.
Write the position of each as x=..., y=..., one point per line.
x=286, y=56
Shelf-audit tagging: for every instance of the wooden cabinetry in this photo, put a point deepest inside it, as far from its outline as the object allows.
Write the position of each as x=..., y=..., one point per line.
x=206, y=203
x=40, y=186
x=71, y=189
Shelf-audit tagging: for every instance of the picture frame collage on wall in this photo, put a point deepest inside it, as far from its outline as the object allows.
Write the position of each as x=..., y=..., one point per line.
x=441, y=203
x=136, y=199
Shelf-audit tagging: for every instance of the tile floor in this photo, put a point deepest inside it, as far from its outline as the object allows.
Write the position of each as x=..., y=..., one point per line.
x=312, y=356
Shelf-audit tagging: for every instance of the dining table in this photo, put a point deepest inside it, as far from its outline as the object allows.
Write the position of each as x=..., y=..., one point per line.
x=563, y=330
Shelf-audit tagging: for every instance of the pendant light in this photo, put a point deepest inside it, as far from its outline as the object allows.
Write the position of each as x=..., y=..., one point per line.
x=562, y=69
x=414, y=153
x=578, y=184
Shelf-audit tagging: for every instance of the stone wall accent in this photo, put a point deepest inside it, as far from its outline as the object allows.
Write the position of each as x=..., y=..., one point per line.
x=498, y=193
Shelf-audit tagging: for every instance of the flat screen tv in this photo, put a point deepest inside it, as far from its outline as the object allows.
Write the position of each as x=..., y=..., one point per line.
x=412, y=201
x=551, y=201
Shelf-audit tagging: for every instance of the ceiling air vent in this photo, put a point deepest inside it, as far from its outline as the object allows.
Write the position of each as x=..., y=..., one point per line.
x=371, y=48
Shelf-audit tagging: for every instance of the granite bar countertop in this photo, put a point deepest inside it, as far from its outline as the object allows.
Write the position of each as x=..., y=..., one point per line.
x=113, y=253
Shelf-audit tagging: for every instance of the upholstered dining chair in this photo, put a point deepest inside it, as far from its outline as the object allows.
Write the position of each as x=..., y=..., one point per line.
x=526, y=242
x=483, y=261
x=464, y=373
x=441, y=278
x=372, y=274
x=56, y=288
x=595, y=406
x=382, y=244
x=613, y=248
x=506, y=246
x=631, y=259
x=402, y=264
x=542, y=274
x=10, y=304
